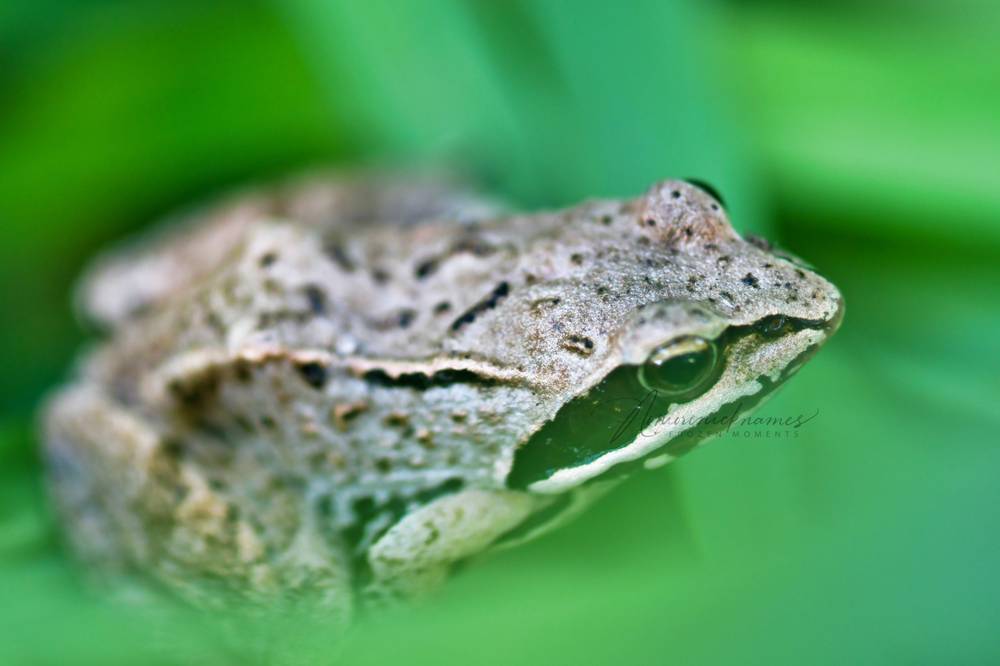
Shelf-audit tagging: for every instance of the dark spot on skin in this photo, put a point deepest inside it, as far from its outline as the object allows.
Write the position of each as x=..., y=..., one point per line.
x=267, y=259
x=473, y=245
x=421, y=381
x=364, y=508
x=344, y=413
x=644, y=240
x=405, y=318
x=459, y=416
x=712, y=247
x=426, y=268
x=339, y=255
x=138, y=309
x=313, y=373
x=380, y=275
x=383, y=465
x=675, y=194
x=196, y=391
x=268, y=422
x=758, y=242
x=576, y=258
x=601, y=291
x=715, y=207
x=488, y=303
x=606, y=220
x=548, y=302
x=396, y=419
x=726, y=295
x=578, y=344
x=750, y=280
x=802, y=276
x=768, y=265
x=316, y=298
x=650, y=222
x=173, y=449
x=724, y=259
x=288, y=482
x=213, y=321
x=324, y=506
x=688, y=232
x=241, y=370
x=243, y=423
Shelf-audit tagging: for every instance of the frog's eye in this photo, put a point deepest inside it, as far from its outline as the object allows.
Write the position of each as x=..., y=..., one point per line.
x=711, y=191
x=681, y=368
x=773, y=327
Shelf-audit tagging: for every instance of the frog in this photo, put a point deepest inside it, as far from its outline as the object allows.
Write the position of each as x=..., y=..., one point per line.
x=337, y=388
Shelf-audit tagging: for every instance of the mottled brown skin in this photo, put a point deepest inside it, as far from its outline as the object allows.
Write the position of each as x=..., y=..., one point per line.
x=304, y=387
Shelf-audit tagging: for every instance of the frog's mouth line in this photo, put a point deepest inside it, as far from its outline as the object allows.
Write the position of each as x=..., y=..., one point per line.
x=577, y=437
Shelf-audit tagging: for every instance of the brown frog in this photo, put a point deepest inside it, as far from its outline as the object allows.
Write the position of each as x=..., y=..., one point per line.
x=338, y=387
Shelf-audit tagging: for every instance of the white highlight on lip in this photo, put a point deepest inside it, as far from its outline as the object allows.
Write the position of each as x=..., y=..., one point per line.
x=673, y=423
x=657, y=461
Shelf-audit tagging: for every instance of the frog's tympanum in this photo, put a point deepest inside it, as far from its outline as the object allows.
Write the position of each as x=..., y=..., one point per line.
x=336, y=389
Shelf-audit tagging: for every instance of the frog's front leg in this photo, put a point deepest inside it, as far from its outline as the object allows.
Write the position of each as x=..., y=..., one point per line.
x=414, y=556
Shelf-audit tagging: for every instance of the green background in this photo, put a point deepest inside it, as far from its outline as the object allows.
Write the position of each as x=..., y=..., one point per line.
x=863, y=136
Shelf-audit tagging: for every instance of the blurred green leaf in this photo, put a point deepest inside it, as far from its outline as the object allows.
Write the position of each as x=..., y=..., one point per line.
x=881, y=120
x=555, y=101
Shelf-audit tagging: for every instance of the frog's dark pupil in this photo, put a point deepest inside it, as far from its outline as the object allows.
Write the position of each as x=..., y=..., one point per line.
x=679, y=372
x=772, y=327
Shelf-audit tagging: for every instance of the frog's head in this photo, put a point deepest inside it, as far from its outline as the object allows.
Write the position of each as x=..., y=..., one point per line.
x=721, y=323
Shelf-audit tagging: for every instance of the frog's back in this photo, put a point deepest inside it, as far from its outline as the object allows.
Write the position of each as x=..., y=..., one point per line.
x=135, y=278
